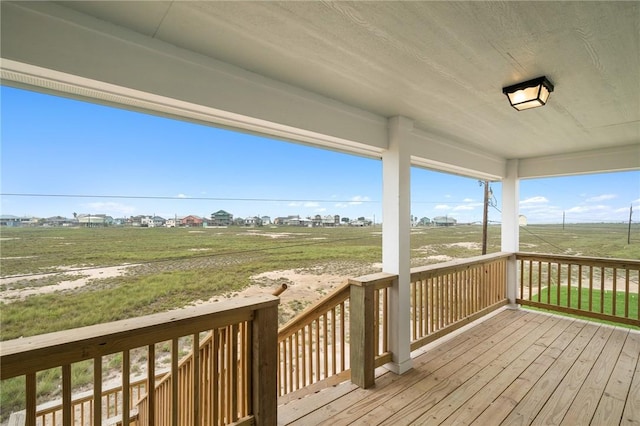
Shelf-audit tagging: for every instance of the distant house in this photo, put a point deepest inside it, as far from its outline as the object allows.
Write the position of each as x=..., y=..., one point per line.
x=135, y=221
x=221, y=218
x=331, y=220
x=292, y=221
x=266, y=220
x=59, y=221
x=444, y=221
x=253, y=221
x=94, y=220
x=522, y=220
x=10, y=221
x=153, y=221
x=173, y=223
x=425, y=221
x=192, y=221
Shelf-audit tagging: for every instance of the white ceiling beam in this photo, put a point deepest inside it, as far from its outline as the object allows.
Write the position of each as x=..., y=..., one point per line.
x=616, y=159
x=64, y=51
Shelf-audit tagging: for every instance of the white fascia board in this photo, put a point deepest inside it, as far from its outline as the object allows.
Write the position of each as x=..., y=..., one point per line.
x=44, y=45
x=431, y=152
x=616, y=159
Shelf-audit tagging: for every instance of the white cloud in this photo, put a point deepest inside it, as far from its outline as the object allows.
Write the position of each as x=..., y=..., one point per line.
x=602, y=197
x=320, y=210
x=468, y=200
x=182, y=196
x=310, y=204
x=111, y=208
x=463, y=207
x=359, y=199
x=585, y=209
x=534, y=200
x=442, y=207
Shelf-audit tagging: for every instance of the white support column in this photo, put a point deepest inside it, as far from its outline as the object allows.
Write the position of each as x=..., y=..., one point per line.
x=396, y=229
x=510, y=225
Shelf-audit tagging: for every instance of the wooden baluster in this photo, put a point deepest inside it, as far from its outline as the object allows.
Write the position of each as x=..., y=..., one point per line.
x=97, y=391
x=151, y=384
x=614, y=296
x=602, y=289
x=334, y=344
x=626, y=294
x=580, y=286
x=196, y=379
x=325, y=335
x=174, y=382
x=126, y=368
x=66, y=395
x=215, y=378
x=30, y=396
x=559, y=284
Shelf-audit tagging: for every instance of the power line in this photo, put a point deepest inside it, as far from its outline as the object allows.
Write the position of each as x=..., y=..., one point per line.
x=161, y=197
x=186, y=198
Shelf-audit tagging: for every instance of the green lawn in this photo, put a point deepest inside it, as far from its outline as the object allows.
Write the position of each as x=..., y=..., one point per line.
x=596, y=300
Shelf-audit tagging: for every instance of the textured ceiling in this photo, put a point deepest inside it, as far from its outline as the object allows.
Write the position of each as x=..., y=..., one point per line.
x=442, y=64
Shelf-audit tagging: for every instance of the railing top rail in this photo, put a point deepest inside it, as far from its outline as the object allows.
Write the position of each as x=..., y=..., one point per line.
x=581, y=260
x=378, y=280
x=456, y=264
x=32, y=354
x=339, y=295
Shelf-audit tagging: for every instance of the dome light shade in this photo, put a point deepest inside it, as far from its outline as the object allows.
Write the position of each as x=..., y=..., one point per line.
x=530, y=94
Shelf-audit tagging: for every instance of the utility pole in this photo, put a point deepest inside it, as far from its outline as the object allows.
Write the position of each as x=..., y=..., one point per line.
x=563, y=220
x=485, y=217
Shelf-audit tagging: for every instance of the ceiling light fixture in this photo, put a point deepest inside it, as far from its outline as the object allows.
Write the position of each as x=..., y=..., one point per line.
x=530, y=94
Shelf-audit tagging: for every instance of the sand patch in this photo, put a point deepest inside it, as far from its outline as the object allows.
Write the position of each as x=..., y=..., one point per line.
x=274, y=235
x=83, y=277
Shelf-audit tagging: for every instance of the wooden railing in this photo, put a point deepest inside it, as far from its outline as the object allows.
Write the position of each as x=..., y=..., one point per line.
x=223, y=390
x=313, y=346
x=82, y=405
x=255, y=354
x=318, y=343
x=447, y=296
x=605, y=289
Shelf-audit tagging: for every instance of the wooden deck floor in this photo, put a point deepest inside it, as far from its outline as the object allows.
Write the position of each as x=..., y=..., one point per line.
x=517, y=367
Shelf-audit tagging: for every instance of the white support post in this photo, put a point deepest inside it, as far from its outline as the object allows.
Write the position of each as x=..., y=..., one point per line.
x=510, y=226
x=396, y=229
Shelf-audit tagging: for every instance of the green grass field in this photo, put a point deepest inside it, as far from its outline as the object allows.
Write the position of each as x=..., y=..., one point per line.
x=176, y=267
x=180, y=265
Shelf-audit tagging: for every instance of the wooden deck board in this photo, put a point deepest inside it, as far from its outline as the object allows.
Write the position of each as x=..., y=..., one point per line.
x=561, y=399
x=586, y=402
x=631, y=415
x=474, y=406
x=518, y=367
x=517, y=350
x=612, y=403
x=430, y=361
x=429, y=391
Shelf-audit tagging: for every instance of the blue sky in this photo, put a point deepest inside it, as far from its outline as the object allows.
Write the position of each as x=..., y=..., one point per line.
x=122, y=160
